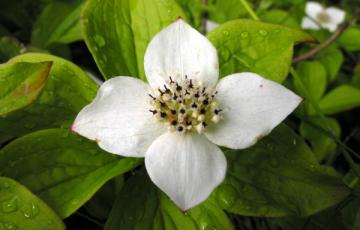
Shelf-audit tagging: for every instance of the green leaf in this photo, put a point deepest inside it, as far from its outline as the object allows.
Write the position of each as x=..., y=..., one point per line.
x=20, y=84
x=332, y=59
x=266, y=49
x=340, y=99
x=355, y=81
x=120, y=50
x=9, y=47
x=313, y=75
x=281, y=17
x=61, y=168
x=222, y=11
x=321, y=144
x=148, y=208
x=67, y=91
x=20, y=209
x=279, y=176
x=193, y=11
x=351, y=214
x=349, y=39
x=58, y=23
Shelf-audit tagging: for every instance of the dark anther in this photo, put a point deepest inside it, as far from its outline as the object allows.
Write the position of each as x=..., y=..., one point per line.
x=162, y=114
x=178, y=87
x=153, y=111
x=180, y=128
x=188, y=123
x=174, y=122
x=217, y=111
x=175, y=97
x=185, y=76
x=206, y=102
x=152, y=96
x=171, y=80
x=182, y=110
x=203, y=91
x=162, y=104
x=187, y=92
x=197, y=95
x=166, y=89
x=173, y=111
x=204, y=124
x=191, y=84
x=194, y=105
x=161, y=92
x=202, y=111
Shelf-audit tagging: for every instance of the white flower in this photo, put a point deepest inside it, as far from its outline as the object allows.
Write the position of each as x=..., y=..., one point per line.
x=210, y=25
x=320, y=17
x=177, y=121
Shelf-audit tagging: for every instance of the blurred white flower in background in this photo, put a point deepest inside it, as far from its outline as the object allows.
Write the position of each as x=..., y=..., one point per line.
x=319, y=17
x=210, y=25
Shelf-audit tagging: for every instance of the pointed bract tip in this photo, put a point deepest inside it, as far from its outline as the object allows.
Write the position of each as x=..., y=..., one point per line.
x=73, y=128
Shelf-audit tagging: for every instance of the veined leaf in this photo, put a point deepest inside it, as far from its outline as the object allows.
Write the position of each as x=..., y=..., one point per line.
x=20, y=209
x=20, y=84
x=246, y=45
x=61, y=168
x=120, y=50
x=279, y=176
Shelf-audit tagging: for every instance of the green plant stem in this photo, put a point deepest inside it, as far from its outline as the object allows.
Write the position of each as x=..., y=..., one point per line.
x=249, y=10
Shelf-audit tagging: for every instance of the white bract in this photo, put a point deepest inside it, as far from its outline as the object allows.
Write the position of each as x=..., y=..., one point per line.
x=210, y=25
x=320, y=17
x=177, y=121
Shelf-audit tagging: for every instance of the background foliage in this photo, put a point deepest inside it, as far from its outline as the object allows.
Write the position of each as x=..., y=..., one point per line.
x=55, y=53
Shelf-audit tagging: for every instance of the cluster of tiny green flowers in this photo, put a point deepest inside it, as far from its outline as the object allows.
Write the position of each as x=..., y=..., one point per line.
x=185, y=106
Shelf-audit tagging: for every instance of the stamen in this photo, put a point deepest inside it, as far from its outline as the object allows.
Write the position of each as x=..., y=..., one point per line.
x=188, y=106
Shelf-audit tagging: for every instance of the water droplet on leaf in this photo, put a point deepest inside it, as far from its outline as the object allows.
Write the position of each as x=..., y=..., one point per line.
x=31, y=211
x=10, y=205
x=227, y=195
x=99, y=40
x=244, y=35
x=263, y=32
x=10, y=226
x=226, y=33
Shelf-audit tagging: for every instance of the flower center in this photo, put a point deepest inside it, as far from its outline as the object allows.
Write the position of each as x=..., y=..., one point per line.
x=185, y=106
x=323, y=17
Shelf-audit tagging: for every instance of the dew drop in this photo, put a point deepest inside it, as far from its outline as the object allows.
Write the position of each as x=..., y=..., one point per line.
x=99, y=40
x=244, y=35
x=227, y=195
x=10, y=205
x=294, y=141
x=226, y=33
x=10, y=226
x=31, y=211
x=263, y=33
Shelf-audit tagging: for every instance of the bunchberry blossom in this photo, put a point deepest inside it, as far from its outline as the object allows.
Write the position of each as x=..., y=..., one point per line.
x=178, y=121
x=319, y=17
x=210, y=25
